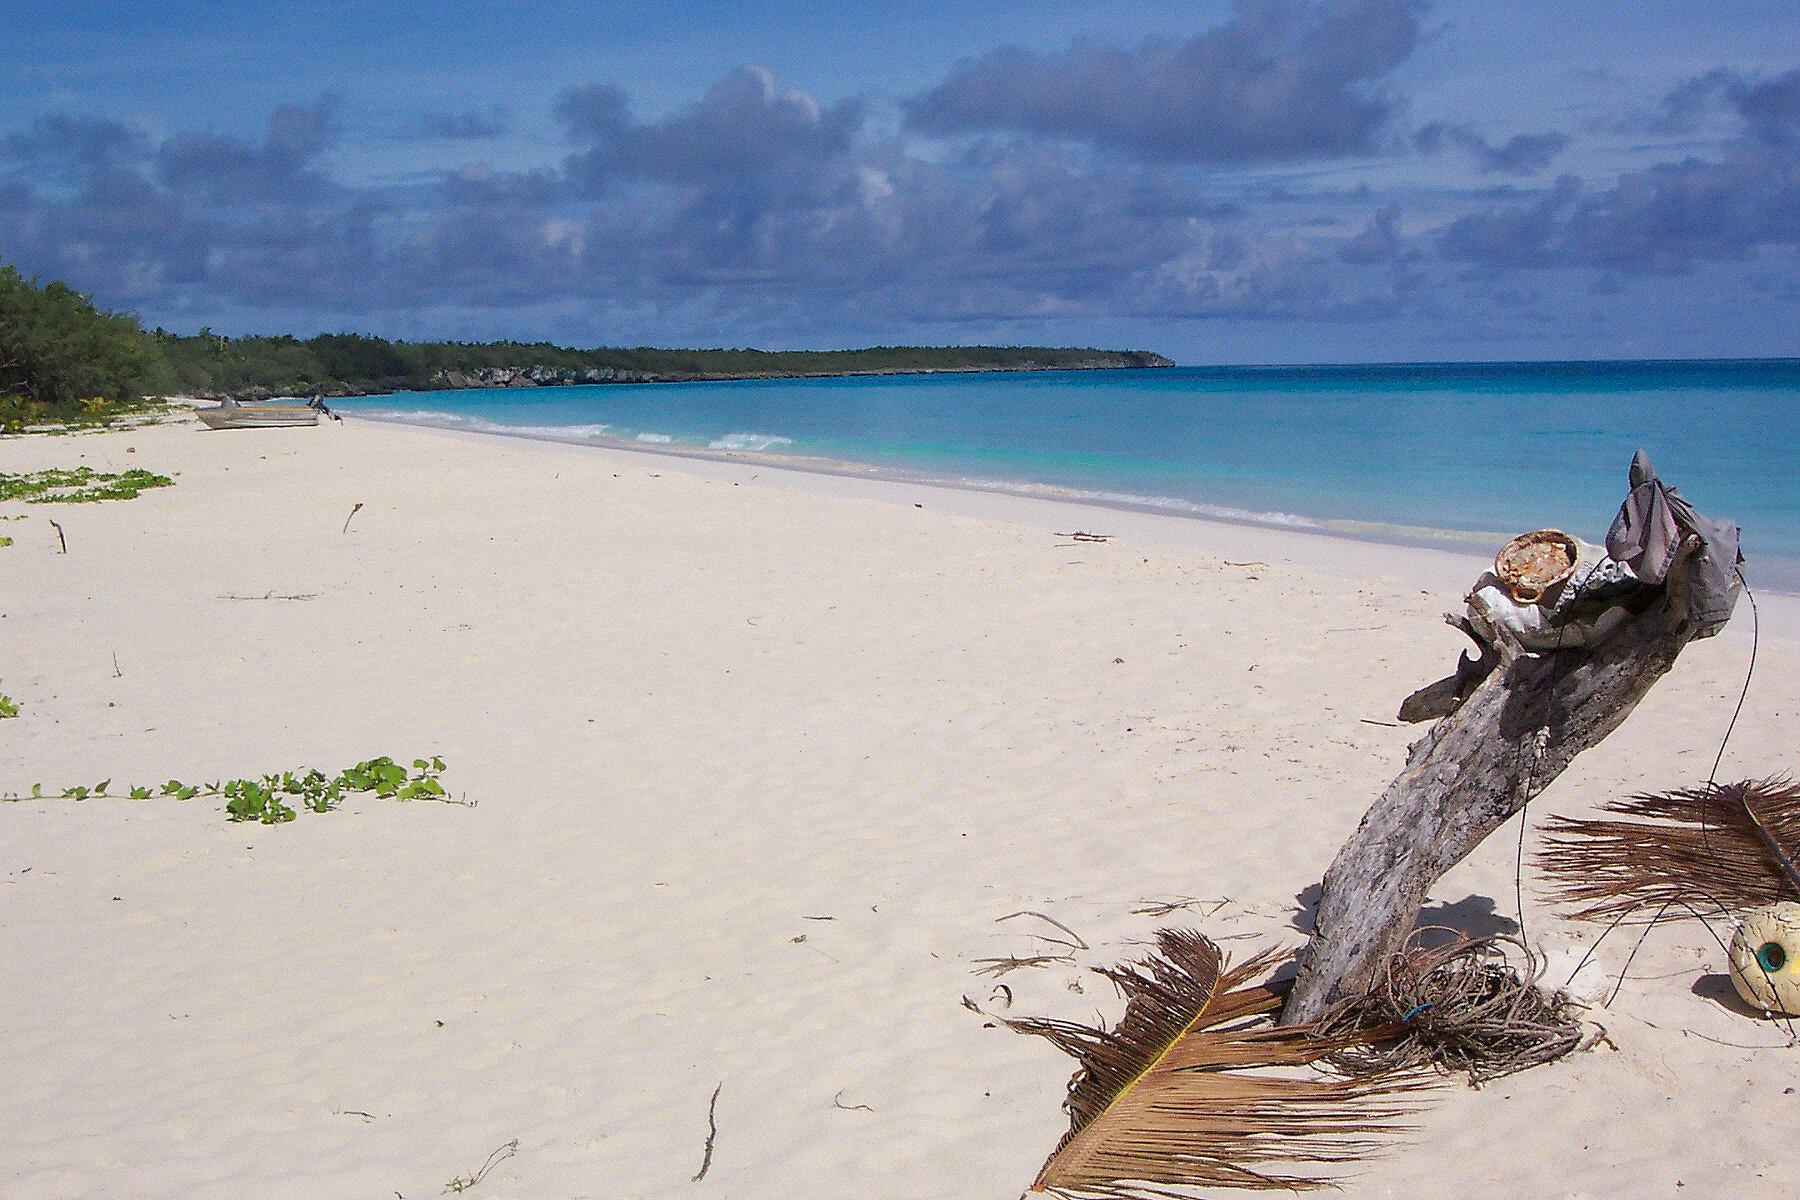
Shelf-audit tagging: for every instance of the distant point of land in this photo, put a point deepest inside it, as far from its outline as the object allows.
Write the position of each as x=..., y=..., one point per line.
x=207, y=364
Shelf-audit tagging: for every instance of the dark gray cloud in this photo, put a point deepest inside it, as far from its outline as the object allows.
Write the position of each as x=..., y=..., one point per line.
x=1521, y=154
x=282, y=165
x=743, y=126
x=62, y=143
x=1527, y=234
x=753, y=200
x=1279, y=81
x=757, y=204
x=1669, y=217
x=1768, y=107
x=1377, y=242
x=468, y=126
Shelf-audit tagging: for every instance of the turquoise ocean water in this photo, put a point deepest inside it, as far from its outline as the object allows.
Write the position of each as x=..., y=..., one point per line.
x=1460, y=455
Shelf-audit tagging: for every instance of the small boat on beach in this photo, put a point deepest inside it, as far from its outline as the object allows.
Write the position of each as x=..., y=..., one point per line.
x=232, y=415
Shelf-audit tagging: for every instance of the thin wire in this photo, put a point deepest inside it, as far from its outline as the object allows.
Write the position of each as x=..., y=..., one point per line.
x=1750, y=673
x=1538, y=748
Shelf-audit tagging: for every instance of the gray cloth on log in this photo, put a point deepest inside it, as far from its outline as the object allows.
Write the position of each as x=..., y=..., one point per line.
x=1651, y=524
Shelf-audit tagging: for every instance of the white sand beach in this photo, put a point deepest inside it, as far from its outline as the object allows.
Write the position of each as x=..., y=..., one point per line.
x=759, y=760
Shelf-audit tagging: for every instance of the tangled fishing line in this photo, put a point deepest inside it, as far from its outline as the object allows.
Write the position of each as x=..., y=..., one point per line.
x=1462, y=1006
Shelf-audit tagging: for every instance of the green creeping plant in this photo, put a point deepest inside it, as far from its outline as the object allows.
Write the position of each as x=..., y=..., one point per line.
x=79, y=485
x=276, y=799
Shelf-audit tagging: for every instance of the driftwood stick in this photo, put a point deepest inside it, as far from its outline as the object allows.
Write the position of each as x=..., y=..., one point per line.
x=1513, y=735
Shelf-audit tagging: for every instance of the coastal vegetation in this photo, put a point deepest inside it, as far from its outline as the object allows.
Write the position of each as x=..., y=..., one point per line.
x=349, y=364
x=275, y=799
x=79, y=485
x=62, y=359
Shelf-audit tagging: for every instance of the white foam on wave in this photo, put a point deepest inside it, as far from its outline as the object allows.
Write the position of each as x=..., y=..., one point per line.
x=562, y=432
x=748, y=441
x=449, y=420
x=655, y=439
x=1195, y=508
x=413, y=416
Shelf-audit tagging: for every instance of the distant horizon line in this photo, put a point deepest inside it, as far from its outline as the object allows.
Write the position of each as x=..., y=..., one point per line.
x=1499, y=362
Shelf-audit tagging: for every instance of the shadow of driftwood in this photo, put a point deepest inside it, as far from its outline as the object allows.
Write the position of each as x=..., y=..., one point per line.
x=1439, y=920
x=1306, y=902
x=1474, y=916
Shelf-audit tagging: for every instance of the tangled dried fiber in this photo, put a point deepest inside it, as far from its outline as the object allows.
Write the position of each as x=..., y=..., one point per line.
x=1462, y=1006
x=1195, y=1087
x=1728, y=844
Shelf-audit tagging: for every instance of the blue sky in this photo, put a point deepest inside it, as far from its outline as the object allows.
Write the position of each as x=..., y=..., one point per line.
x=1264, y=181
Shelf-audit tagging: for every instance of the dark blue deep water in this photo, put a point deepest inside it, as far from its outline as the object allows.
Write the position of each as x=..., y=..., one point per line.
x=1453, y=453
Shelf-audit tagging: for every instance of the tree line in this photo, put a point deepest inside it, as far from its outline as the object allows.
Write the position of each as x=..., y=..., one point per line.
x=60, y=356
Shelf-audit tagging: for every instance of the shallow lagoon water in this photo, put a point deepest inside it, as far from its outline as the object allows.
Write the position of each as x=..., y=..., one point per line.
x=1457, y=454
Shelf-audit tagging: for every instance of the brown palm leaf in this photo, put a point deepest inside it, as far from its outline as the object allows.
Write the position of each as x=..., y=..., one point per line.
x=1172, y=1096
x=1729, y=844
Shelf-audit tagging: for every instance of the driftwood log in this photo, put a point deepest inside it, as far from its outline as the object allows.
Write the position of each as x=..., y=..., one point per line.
x=1505, y=739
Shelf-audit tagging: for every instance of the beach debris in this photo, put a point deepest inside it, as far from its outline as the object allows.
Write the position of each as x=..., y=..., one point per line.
x=60, y=539
x=995, y=967
x=1162, y=908
x=354, y=509
x=837, y=1101
x=1176, y=1094
x=1075, y=944
x=1765, y=958
x=463, y=1183
x=1460, y=1006
x=1082, y=535
x=1533, y=563
x=1724, y=844
x=1505, y=733
x=712, y=1133
x=271, y=594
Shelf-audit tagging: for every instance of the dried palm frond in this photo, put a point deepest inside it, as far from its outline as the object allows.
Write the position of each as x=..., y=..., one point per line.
x=1462, y=1006
x=1730, y=844
x=1187, y=1090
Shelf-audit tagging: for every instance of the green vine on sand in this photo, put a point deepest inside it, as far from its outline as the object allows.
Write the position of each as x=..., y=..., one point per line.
x=276, y=799
x=79, y=485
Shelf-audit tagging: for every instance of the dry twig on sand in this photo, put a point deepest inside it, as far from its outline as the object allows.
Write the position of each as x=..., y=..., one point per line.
x=712, y=1133
x=1000, y=966
x=1077, y=944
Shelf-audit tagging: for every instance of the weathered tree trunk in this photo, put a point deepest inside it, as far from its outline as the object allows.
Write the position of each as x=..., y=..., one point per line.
x=1505, y=743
